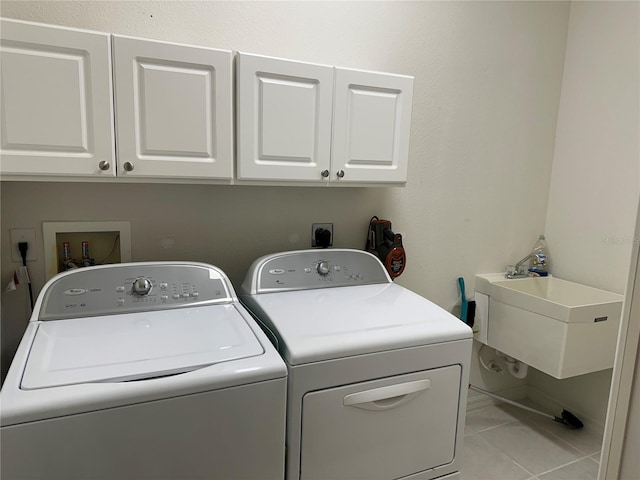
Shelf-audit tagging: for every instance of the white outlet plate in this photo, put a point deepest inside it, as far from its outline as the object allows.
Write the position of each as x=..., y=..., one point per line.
x=23, y=235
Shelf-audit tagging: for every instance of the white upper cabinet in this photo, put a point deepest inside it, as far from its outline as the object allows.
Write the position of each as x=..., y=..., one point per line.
x=174, y=113
x=173, y=109
x=57, y=116
x=313, y=123
x=284, y=113
x=371, y=126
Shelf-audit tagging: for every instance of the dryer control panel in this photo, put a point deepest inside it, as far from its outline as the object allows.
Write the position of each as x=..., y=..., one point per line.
x=308, y=269
x=133, y=287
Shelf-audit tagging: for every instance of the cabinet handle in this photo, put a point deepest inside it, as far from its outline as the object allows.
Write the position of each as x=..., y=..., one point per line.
x=340, y=173
x=104, y=165
x=324, y=173
x=128, y=166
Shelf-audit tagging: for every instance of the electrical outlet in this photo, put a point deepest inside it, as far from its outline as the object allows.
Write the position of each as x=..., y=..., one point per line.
x=324, y=226
x=23, y=235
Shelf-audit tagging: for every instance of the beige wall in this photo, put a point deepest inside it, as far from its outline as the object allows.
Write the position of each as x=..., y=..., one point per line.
x=596, y=170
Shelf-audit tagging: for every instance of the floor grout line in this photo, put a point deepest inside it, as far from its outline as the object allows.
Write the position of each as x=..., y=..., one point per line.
x=565, y=465
x=495, y=426
x=523, y=468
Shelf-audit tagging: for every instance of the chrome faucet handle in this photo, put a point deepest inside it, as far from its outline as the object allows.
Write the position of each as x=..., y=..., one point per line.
x=517, y=271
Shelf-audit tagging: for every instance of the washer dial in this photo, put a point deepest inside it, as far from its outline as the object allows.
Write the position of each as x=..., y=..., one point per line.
x=323, y=268
x=141, y=286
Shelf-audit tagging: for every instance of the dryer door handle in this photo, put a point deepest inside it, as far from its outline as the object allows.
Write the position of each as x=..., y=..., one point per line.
x=386, y=398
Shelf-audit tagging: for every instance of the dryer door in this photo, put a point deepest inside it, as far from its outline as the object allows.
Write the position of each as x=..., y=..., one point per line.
x=387, y=428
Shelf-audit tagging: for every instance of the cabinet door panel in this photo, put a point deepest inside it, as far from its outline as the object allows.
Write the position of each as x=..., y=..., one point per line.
x=57, y=116
x=173, y=109
x=372, y=117
x=284, y=119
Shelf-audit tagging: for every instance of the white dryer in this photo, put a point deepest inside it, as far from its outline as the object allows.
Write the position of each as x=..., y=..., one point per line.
x=143, y=371
x=377, y=374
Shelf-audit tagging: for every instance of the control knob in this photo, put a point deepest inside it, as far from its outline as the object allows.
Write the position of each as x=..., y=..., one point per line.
x=323, y=268
x=141, y=286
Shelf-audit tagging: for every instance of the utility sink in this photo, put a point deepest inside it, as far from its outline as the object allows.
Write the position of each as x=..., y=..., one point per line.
x=560, y=327
x=560, y=299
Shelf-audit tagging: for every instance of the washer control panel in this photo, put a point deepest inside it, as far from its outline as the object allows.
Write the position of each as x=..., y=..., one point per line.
x=307, y=269
x=133, y=287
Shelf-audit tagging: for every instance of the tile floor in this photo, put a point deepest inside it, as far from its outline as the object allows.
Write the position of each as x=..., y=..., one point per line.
x=503, y=442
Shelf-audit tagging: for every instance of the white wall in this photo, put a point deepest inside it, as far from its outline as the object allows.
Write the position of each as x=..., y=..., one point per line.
x=488, y=78
x=630, y=462
x=622, y=430
x=596, y=170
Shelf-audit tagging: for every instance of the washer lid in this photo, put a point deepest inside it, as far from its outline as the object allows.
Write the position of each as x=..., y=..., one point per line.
x=330, y=323
x=136, y=346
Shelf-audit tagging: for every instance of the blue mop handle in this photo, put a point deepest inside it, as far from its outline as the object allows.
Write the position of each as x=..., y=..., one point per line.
x=464, y=306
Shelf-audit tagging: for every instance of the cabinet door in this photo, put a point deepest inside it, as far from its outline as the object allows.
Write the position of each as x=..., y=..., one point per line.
x=57, y=116
x=173, y=110
x=371, y=126
x=284, y=119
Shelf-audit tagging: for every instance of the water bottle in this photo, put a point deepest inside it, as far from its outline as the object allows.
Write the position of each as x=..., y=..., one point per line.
x=540, y=257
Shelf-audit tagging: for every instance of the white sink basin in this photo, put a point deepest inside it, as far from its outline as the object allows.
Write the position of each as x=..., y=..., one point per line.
x=559, y=327
x=560, y=299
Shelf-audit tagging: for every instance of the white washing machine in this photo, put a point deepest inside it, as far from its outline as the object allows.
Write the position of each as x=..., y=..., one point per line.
x=143, y=371
x=377, y=374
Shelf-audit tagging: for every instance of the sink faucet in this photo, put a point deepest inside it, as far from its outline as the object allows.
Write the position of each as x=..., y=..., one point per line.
x=519, y=270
